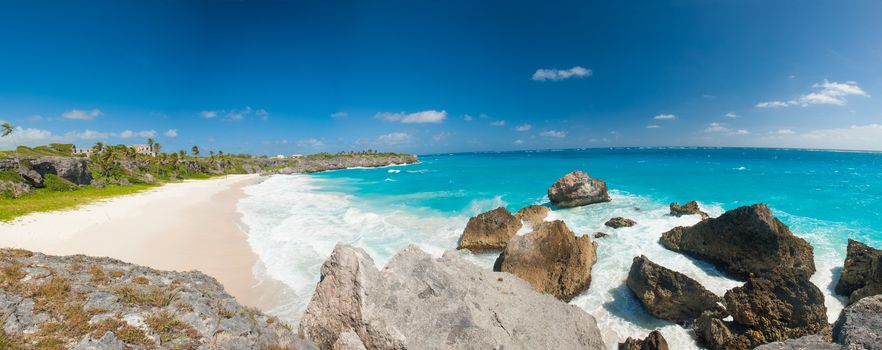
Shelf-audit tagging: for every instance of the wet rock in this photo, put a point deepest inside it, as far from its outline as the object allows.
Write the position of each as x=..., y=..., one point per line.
x=861, y=273
x=552, y=259
x=668, y=294
x=619, y=222
x=600, y=235
x=533, y=215
x=654, y=341
x=419, y=302
x=742, y=242
x=809, y=342
x=577, y=189
x=688, y=208
x=860, y=324
x=489, y=231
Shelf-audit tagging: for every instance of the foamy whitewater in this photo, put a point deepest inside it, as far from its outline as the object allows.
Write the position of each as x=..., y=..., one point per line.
x=294, y=221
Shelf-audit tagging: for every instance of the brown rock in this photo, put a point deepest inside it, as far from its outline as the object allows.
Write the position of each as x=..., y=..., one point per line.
x=600, y=234
x=552, y=259
x=668, y=294
x=743, y=241
x=862, y=272
x=533, y=215
x=619, y=222
x=577, y=189
x=689, y=208
x=654, y=341
x=490, y=230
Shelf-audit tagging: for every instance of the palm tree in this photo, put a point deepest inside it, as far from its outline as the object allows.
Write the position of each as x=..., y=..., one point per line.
x=7, y=129
x=181, y=153
x=150, y=143
x=195, y=150
x=157, y=148
x=98, y=147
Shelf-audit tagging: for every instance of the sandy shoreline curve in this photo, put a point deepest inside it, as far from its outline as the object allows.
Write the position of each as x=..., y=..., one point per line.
x=191, y=225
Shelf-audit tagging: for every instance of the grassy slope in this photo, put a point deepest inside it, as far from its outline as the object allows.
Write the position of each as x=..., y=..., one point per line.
x=46, y=200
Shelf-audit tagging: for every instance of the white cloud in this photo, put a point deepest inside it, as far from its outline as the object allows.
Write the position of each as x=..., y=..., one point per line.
x=171, y=133
x=856, y=137
x=314, y=143
x=27, y=137
x=742, y=132
x=519, y=142
x=731, y=115
x=653, y=126
x=395, y=138
x=498, y=123
x=429, y=116
x=561, y=74
x=554, y=133
x=784, y=132
x=826, y=93
x=91, y=135
x=81, y=114
x=665, y=117
x=716, y=127
x=262, y=114
x=524, y=127
x=468, y=118
x=208, y=114
x=143, y=133
x=236, y=115
x=338, y=115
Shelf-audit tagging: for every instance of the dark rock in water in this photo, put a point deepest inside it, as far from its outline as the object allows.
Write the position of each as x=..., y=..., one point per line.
x=809, y=342
x=860, y=324
x=619, y=222
x=654, y=341
x=72, y=169
x=489, y=231
x=419, y=302
x=552, y=259
x=766, y=309
x=577, y=189
x=85, y=302
x=600, y=234
x=668, y=294
x=689, y=208
x=742, y=242
x=533, y=215
x=862, y=272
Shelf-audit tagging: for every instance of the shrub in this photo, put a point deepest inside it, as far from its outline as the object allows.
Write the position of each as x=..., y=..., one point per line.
x=55, y=183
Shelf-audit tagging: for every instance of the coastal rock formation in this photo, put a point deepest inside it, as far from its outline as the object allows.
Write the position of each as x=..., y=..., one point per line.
x=766, y=309
x=577, y=189
x=490, y=230
x=14, y=189
x=860, y=324
x=619, y=222
x=654, y=341
x=31, y=176
x=743, y=241
x=689, y=208
x=72, y=169
x=862, y=272
x=809, y=342
x=533, y=215
x=552, y=259
x=101, y=303
x=318, y=164
x=419, y=302
x=668, y=294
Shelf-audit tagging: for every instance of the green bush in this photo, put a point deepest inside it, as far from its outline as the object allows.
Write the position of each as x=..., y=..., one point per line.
x=58, y=184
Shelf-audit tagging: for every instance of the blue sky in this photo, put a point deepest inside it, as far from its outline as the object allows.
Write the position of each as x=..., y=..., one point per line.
x=287, y=77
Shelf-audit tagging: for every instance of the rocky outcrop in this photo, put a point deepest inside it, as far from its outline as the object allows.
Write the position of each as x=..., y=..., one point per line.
x=860, y=325
x=742, y=242
x=533, y=215
x=577, y=189
x=809, y=342
x=600, y=234
x=862, y=272
x=318, y=164
x=668, y=294
x=689, y=208
x=82, y=302
x=419, y=302
x=766, y=309
x=654, y=341
x=619, y=222
x=14, y=189
x=490, y=230
x=552, y=259
x=72, y=169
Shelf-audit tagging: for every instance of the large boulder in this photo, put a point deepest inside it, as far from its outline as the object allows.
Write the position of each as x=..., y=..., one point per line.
x=766, y=309
x=668, y=294
x=860, y=324
x=688, y=208
x=72, y=169
x=862, y=272
x=654, y=341
x=809, y=342
x=744, y=241
x=490, y=230
x=577, y=189
x=552, y=259
x=419, y=302
x=533, y=215
x=619, y=222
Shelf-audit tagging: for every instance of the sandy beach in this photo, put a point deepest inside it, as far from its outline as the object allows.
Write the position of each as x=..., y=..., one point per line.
x=192, y=225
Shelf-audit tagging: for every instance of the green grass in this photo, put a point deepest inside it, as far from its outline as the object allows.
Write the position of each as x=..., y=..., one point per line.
x=44, y=200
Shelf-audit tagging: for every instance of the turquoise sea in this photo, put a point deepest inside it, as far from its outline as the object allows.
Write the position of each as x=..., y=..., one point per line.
x=826, y=197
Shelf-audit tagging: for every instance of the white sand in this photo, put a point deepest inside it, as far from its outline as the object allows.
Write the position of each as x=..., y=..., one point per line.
x=192, y=225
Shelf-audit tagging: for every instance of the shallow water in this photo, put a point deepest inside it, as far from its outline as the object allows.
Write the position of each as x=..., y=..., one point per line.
x=293, y=222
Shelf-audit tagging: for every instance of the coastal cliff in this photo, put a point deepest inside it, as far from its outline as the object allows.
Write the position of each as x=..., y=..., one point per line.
x=318, y=164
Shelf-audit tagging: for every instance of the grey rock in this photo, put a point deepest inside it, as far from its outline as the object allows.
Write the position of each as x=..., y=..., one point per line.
x=419, y=302
x=14, y=189
x=348, y=341
x=108, y=341
x=859, y=325
x=31, y=176
x=577, y=189
x=668, y=294
x=72, y=169
x=809, y=342
x=654, y=341
x=313, y=165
